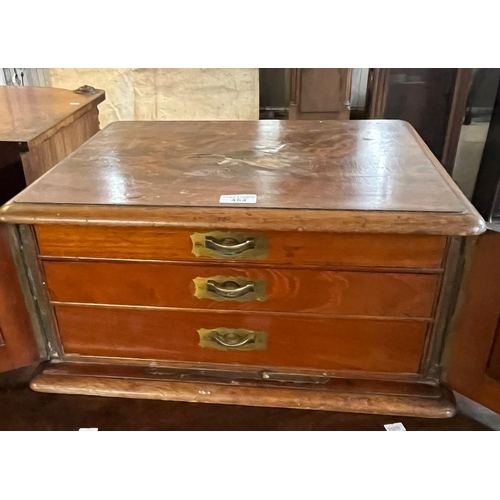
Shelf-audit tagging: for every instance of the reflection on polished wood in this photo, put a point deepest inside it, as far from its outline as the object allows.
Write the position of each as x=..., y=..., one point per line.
x=372, y=167
x=371, y=176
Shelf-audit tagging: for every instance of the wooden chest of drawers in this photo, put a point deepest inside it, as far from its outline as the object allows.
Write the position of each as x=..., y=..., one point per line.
x=330, y=290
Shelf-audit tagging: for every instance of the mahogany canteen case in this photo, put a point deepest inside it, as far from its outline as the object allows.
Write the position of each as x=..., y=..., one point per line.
x=305, y=264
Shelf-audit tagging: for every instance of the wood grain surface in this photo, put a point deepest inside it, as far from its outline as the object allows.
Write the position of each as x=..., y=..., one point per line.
x=388, y=398
x=27, y=410
x=319, y=165
x=287, y=290
x=255, y=219
x=301, y=341
x=361, y=176
x=421, y=251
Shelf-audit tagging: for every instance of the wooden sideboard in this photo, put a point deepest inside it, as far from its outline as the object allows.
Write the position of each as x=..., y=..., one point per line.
x=39, y=126
x=327, y=286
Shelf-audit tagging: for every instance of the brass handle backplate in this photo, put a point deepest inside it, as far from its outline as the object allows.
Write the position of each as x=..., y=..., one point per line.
x=224, y=245
x=232, y=288
x=232, y=339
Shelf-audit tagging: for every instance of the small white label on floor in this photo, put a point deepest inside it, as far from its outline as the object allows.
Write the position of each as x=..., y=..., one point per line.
x=395, y=427
x=88, y=429
x=238, y=198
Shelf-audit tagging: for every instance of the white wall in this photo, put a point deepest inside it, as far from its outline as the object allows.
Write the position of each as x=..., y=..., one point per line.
x=168, y=94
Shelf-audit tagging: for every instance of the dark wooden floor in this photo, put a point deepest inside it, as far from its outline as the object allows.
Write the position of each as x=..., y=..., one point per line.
x=23, y=409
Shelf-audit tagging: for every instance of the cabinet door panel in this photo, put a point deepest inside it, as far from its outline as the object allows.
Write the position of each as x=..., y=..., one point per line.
x=474, y=359
x=321, y=90
x=17, y=343
x=320, y=93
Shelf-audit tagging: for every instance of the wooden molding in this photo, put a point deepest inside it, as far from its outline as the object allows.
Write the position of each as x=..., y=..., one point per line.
x=388, y=398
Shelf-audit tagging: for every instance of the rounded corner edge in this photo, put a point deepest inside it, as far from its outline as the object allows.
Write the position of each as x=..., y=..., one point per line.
x=481, y=227
x=34, y=386
x=477, y=227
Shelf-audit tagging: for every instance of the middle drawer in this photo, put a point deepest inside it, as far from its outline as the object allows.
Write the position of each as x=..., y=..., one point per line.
x=237, y=288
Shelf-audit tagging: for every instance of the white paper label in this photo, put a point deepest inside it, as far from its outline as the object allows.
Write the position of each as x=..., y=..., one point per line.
x=395, y=427
x=238, y=198
x=88, y=429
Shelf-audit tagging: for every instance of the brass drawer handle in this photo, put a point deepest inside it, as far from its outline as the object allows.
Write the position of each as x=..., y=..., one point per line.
x=235, y=288
x=232, y=339
x=229, y=246
x=229, y=289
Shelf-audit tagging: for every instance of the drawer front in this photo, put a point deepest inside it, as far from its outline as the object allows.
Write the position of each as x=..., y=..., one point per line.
x=326, y=249
x=238, y=288
x=262, y=340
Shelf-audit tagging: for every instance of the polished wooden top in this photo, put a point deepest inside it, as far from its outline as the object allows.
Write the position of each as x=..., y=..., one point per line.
x=27, y=112
x=326, y=168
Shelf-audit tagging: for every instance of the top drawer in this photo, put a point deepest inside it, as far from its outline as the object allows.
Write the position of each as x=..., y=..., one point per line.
x=296, y=248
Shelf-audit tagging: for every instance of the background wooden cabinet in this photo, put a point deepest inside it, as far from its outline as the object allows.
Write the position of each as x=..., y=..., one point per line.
x=320, y=93
x=432, y=100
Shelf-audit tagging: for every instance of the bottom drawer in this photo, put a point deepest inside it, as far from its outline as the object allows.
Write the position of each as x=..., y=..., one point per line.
x=267, y=340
